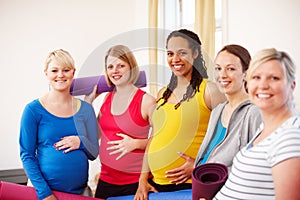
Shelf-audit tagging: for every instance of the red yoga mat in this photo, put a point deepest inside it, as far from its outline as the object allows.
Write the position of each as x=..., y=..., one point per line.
x=207, y=180
x=12, y=191
x=85, y=85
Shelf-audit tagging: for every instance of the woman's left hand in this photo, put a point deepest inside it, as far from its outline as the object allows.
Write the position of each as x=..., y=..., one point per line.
x=68, y=143
x=123, y=146
x=182, y=173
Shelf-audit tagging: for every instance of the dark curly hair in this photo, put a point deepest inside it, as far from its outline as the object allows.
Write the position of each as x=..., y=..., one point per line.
x=199, y=70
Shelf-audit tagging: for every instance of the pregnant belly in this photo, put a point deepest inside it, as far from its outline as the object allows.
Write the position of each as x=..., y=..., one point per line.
x=64, y=170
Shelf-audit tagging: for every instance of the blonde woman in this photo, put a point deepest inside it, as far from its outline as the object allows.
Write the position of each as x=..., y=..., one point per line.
x=58, y=133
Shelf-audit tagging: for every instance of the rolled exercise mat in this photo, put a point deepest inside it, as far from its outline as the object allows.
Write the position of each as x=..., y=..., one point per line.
x=207, y=180
x=13, y=191
x=85, y=85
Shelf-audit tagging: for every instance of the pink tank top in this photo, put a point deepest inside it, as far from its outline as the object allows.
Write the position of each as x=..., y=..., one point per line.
x=127, y=169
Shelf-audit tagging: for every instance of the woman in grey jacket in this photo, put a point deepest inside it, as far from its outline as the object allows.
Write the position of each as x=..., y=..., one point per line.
x=232, y=123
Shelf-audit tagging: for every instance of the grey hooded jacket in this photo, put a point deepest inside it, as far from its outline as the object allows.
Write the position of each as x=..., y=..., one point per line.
x=242, y=126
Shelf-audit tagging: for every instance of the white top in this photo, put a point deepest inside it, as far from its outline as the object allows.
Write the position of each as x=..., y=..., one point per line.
x=251, y=173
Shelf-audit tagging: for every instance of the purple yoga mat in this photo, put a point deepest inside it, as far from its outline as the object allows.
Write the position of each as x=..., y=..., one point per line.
x=207, y=180
x=12, y=191
x=85, y=85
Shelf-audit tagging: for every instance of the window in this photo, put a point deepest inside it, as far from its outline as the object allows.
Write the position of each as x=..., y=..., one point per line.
x=177, y=14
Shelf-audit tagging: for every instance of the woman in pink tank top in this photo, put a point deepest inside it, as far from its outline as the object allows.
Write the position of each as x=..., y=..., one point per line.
x=124, y=123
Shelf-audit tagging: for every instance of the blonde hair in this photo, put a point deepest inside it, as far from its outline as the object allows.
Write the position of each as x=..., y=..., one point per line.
x=288, y=66
x=265, y=55
x=125, y=54
x=61, y=57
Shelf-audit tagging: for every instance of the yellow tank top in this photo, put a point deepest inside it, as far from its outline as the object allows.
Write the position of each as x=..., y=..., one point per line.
x=174, y=131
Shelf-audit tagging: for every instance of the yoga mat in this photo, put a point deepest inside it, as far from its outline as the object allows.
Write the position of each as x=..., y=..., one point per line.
x=207, y=180
x=176, y=195
x=13, y=191
x=85, y=85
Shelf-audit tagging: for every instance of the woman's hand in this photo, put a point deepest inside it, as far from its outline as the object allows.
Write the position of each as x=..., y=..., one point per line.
x=182, y=173
x=91, y=97
x=68, y=143
x=143, y=190
x=51, y=197
x=123, y=146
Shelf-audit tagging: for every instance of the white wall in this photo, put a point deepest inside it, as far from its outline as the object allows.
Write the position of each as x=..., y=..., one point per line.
x=258, y=24
x=31, y=29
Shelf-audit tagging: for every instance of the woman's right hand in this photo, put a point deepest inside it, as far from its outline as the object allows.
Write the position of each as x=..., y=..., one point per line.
x=68, y=143
x=91, y=97
x=143, y=190
x=51, y=197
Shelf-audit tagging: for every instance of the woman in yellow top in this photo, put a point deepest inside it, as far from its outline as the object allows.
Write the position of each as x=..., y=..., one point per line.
x=180, y=120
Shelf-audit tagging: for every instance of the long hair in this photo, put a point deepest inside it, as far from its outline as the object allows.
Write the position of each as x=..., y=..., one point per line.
x=198, y=73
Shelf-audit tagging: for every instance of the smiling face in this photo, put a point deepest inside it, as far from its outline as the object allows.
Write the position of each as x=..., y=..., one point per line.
x=60, y=77
x=118, y=71
x=269, y=88
x=180, y=57
x=228, y=73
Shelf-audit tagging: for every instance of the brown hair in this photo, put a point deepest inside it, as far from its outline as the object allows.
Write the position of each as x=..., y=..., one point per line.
x=125, y=54
x=240, y=52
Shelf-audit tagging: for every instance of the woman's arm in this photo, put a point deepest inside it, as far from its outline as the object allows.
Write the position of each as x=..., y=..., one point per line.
x=147, y=107
x=28, y=141
x=144, y=186
x=91, y=97
x=88, y=131
x=286, y=176
x=213, y=96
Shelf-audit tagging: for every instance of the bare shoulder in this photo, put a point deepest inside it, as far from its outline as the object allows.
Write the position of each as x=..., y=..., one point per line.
x=148, y=105
x=213, y=96
x=148, y=99
x=160, y=92
x=212, y=84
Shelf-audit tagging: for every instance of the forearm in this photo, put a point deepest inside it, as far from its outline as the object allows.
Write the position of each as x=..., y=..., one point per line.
x=89, y=135
x=141, y=143
x=144, y=177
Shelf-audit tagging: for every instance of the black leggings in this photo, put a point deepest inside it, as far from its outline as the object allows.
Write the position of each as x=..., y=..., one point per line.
x=105, y=190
